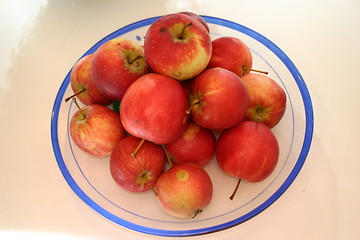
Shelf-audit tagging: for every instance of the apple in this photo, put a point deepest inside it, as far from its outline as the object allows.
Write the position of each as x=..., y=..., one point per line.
x=154, y=108
x=184, y=190
x=116, y=64
x=178, y=46
x=83, y=85
x=136, y=173
x=197, y=17
x=267, y=99
x=196, y=144
x=248, y=151
x=96, y=129
x=218, y=99
x=231, y=53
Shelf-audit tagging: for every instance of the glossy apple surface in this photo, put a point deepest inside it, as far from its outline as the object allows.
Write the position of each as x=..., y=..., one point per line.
x=178, y=46
x=267, y=99
x=184, y=190
x=231, y=53
x=154, y=108
x=96, y=130
x=139, y=173
x=248, y=151
x=83, y=85
x=218, y=99
x=196, y=144
x=117, y=64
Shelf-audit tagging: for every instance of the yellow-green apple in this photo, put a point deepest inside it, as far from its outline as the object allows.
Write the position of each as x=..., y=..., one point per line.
x=196, y=144
x=178, y=46
x=96, y=129
x=184, y=190
x=248, y=151
x=267, y=99
x=83, y=85
x=136, y=173
x=197, y=17
x=218, y=99
x=231, y=53
x=154, y=108
x=116, y=64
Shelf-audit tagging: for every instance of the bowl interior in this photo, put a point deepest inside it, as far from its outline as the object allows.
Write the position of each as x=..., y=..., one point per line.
x=90, y=177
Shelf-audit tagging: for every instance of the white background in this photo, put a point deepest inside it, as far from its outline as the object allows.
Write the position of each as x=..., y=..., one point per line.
x=41, y=40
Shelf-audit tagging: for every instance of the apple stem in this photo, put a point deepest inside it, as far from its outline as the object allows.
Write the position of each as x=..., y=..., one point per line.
x=136, y=58
x=235, y=190
x=196, y=212
x=75, y=94
x=181, y=36
x=192, y=104
x=168, y=157
x=146, y=180
x=77, y=105
x=259, y=114
x=188, y=111
x=152, y=189
x=254, y=70
x=138, y=148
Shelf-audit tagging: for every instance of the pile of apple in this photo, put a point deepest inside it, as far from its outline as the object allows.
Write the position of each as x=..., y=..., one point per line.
x=183, y=99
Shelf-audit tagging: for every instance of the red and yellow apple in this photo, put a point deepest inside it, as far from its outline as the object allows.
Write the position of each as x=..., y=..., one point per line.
x=136, y=173
x=96, y=130
x=83, y=85
x=116, y=64
x=267, y=99
x=178, y=46
x=184, y=190
x=231, y=53
x=218, y=99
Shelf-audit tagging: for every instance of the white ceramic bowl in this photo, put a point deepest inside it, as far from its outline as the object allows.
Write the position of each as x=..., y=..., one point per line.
x=90, y=179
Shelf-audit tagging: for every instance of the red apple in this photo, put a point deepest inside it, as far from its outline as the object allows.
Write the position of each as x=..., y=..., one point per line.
x=116, y=64
x=248, y=151
x=231, y=53
x=178, y=46
x=196, y=144
x=197, y=17
x=154, y=108
x=267, y=99
x=83, y=85
x=136, y=173
x=96, y=129
x=218, y=99
x=184, y=190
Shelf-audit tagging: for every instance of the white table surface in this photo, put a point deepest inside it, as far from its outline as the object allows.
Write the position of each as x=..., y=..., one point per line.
x=41, y=40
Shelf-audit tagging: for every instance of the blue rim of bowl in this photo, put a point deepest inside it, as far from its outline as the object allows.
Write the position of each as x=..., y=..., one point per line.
x=309, y=127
